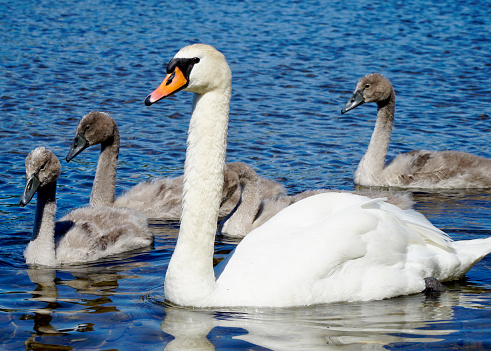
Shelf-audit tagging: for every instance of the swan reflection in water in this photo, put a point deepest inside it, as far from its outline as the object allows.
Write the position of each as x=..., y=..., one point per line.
x=373, y=325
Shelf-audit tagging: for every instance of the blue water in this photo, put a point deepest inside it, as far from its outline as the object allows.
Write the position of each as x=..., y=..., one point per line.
x=294, y=64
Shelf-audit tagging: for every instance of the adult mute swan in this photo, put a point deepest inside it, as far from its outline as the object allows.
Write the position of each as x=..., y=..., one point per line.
x=415, y=169
x=326, y=248
x=157, y=198
x=85, y=234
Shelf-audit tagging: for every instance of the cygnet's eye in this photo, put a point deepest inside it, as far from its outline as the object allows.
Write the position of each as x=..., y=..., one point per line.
x=43, y=167
x=367, y=86
x=87, y=127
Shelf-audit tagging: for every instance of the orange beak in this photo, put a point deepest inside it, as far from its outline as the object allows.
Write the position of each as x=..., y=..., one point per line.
x=172, y=83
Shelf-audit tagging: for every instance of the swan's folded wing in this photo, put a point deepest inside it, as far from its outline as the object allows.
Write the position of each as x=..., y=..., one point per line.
x=302, y=249
x=330, y=246
x=421, y=226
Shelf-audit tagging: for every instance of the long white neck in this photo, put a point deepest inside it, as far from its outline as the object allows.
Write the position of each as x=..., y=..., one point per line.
x=41, y=248
x=190, y=277
x=372, y=164
x=105, y=175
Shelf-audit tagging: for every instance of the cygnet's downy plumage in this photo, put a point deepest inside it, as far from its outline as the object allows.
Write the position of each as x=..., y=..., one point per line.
x=85, y=234
x=159, y=197
x=415, y=169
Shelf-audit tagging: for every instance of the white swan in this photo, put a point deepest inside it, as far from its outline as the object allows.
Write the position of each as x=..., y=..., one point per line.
x=252, y=211
x=326, y=248
x=415, y=169
x=85, y=234
x=158, y=198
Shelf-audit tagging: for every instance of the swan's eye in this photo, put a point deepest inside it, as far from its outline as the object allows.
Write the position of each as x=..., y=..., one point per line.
x=195, y=60
x=367, y=86
x=171, y=77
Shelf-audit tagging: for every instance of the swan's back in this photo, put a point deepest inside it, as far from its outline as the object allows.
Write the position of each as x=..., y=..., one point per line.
x=91, y=233
x=401, y=200
x=271, y=207
x=157, y=198
x=444, y=169
x=271, y=189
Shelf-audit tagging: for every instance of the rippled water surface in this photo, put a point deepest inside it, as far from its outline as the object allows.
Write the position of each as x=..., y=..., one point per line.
x=294, y=64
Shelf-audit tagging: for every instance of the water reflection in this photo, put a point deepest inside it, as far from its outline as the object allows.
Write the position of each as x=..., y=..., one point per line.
x=354, y=326
x=92, y=290
x=443, y=203
x=189, y=328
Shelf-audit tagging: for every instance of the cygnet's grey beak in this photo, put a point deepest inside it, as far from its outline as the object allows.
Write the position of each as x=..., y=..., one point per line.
x=356, y=100
x=30, y=189
x=79, y=144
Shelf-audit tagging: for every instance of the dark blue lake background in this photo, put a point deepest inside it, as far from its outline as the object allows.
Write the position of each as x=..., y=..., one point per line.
x=294, y=64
